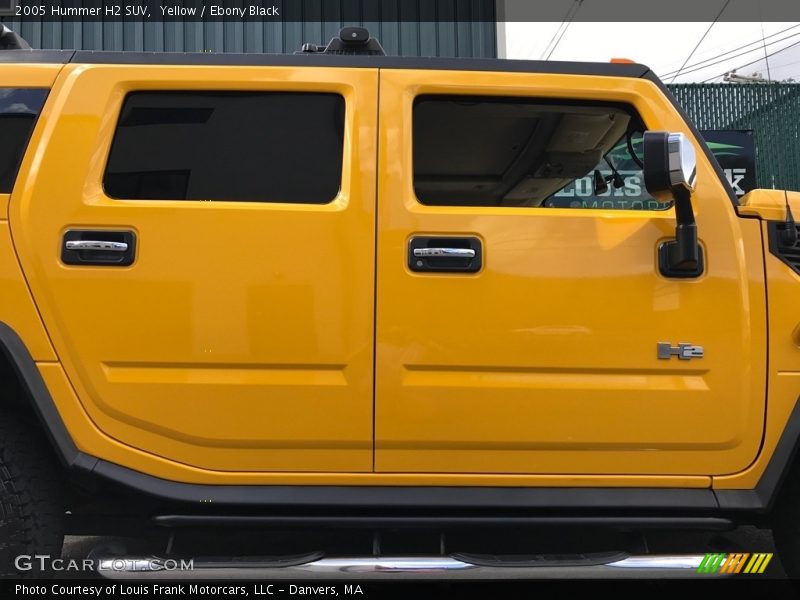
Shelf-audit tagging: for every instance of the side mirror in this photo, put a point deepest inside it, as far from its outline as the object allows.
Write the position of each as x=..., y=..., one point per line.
x=670, y=164
x=670, y=171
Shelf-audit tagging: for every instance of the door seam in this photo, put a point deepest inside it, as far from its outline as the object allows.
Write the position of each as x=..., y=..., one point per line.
x=375, y=271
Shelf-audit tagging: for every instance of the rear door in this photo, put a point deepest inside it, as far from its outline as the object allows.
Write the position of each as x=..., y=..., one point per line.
x=200, y=243
x=519, y=313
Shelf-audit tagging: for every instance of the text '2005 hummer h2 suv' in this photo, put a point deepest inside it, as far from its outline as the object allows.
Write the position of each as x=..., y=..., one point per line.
x=343, y=290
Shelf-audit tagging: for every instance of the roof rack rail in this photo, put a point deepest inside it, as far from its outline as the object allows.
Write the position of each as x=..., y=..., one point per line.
x=350, y=41
x=10, y=40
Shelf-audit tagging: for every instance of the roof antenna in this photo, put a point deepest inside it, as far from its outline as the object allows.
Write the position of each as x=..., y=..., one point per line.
x=350, y=41
x=789, y=233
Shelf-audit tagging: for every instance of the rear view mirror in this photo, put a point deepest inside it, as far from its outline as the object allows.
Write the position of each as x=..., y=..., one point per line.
x=670, y=171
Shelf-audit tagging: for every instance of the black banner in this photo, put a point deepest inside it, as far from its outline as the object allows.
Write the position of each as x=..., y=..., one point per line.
x=695, y=587
x=365, y=11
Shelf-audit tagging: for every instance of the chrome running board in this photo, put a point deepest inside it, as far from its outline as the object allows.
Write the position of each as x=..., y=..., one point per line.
x=408, y=567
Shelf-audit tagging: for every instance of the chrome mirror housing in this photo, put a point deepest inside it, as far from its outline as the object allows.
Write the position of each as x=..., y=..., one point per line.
x=670, y=164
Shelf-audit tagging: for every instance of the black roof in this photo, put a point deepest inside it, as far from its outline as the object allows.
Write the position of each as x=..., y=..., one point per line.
x=322, y=60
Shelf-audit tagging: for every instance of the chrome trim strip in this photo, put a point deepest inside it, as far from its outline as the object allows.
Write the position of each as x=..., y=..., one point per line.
x=84, y=245
x=454, y=252
x=678, y=561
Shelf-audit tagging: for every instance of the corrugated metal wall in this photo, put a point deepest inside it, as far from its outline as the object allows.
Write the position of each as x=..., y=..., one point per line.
x=424, y=28
x=771, y=110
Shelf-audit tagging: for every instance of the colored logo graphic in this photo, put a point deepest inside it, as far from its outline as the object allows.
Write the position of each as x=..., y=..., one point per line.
x=733, y=564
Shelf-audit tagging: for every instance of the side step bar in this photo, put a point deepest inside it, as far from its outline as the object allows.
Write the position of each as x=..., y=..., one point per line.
x=613, y=565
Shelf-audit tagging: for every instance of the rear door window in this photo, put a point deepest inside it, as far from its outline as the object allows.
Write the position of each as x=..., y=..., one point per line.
x=228, y=146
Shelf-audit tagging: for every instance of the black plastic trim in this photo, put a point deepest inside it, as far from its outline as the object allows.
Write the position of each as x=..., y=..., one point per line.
x=664, y=262
x=380, y=62
x=768, y=487
x=14, y=350
x=319, y=59
x=774, y=230
x=441, y=521
x=57, y=57
x=408, y=497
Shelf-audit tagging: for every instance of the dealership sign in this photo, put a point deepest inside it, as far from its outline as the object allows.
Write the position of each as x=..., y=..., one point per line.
x=734, y=150
x=736, y=153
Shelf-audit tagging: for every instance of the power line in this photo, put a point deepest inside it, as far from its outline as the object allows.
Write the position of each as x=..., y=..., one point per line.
x=784, y=65
x=732, y=50
x=552, y=39
x=558, y=41
x=788, y=37
x=756, y=60
x=570, y=17
x=719, y=14
x=746, y=52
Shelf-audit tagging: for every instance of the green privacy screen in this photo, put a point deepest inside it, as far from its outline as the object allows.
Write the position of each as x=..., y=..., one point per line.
x=770, y=110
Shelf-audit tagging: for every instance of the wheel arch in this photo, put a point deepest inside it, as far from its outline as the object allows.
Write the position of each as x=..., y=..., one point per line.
x=23, y=391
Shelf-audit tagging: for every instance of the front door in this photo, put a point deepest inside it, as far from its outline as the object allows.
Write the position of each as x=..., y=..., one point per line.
x=520, y=305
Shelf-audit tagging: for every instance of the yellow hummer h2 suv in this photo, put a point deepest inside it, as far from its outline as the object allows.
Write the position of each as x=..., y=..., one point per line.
x=338, y=289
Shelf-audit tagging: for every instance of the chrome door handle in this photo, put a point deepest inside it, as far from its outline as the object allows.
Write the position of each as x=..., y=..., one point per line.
x=99, y=248
x=454, y=252
x=96, y=245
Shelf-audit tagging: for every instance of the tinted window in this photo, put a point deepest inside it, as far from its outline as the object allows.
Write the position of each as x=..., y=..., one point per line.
x=491, y=151
x=19, y=109
x=242, y=146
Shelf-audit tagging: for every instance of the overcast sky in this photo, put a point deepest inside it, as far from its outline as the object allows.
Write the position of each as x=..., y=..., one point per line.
x=664, y=47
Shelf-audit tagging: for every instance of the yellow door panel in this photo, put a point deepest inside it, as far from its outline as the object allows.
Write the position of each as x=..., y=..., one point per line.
x=241, y=337
x=17, y=307
x=545, y=360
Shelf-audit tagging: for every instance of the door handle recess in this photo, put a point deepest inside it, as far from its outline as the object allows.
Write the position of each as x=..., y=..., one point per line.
x=454, y=252
x=445, y=254
x=96, y=245
x=100, y=248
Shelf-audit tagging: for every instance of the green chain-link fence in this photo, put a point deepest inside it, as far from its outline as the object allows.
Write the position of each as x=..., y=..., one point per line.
x=771, y=110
